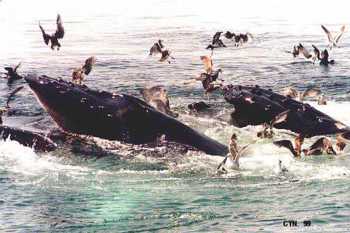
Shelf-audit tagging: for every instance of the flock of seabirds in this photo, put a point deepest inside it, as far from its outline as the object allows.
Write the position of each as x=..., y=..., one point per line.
x=157, y=96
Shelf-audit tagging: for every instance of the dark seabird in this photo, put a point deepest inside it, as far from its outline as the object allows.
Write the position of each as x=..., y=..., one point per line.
x=295, y=51
x=12, y=74
x=209, y=81
x=158, y=48
x=216, y=37
x=333, y=41
x=325, y=58
x=316, y=52
x=78, y=74
x=241, y=38
x=229, y=35
x=322, y=145
x=198, y=106
x=304, y=51
x=234, y=154
x=216, y=42
x=53, y=38
x=157, y=97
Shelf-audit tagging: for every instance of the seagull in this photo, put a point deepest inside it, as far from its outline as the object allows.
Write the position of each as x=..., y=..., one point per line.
x=78, y=74
x=282, y=169
x=323, y=57
x=208, y=63
x=322, y=100
x=234, y=154
x=53, y=38
x=333, y=41
x=157, y=97
x=158, y=48
x=298, y=95
x=216, y=42
x=12, y=74
x=229, y=35
x=322, y=145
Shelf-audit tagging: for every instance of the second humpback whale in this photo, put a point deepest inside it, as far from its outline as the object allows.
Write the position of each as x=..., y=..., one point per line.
x=254, y=106
x=80, y=110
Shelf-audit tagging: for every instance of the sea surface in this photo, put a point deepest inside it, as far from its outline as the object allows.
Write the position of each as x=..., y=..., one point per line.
x=73, y=191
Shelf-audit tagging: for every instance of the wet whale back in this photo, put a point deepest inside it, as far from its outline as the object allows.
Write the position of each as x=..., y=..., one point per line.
x=255, y=105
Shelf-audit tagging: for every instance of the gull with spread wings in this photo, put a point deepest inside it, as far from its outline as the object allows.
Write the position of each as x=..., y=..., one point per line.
x=333, y=41
x=53, y=38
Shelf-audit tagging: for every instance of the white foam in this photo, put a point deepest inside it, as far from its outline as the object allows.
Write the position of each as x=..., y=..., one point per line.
x=17, y=158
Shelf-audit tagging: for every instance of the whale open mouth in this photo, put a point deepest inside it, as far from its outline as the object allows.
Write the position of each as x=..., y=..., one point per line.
x=81, y=110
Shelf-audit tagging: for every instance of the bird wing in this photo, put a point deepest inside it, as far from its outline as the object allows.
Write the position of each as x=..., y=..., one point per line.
x=46, y=36
x=216, y=37
x=243, y=150
x=16, y=67
x=290, y=92
x=316, y=52
x=9, y=98
x=60, y=30
x=310, y=92
x=328, y=33
x=165, y=55
x=321, y=143
x=339, y=35
x=208, y=63
x=88, y=65
x=280, y=118
x=286, y=144
x=156, y=48
x=9, y=69
x=304, y=51
x=250, y=35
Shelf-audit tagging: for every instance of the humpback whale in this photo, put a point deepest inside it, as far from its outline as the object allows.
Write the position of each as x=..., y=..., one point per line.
x=80, y=110
x=254, y=106
x=28, y=138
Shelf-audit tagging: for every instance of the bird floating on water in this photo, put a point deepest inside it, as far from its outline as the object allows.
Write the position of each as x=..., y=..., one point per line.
x=12, y=74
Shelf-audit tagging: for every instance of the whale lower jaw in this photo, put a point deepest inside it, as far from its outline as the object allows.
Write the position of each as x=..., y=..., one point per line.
x=80, y=110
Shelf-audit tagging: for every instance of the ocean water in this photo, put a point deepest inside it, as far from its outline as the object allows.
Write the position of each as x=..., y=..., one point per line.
x=70, y=191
